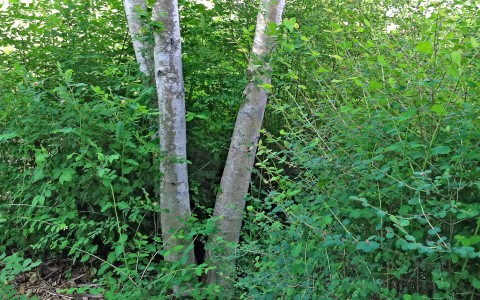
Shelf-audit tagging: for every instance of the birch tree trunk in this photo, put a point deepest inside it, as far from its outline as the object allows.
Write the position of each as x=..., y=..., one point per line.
x=143, y=49
x=174, y=192
x=230, y=201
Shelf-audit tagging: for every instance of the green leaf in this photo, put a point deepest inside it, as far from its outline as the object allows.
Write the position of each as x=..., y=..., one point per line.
x=38, y=174
x=433, y=231
x=476, y=283
x=67, y=175
x=410, y=238
x=455, y=258
x=381, y=60
x=475, y=239
x=452, y=71
x=439, y=109
x=119, y=129
x=119, y=250
x=409, y=113
x=440, y=150
x=404, y=209
x=272, y=28
x=474, y=42
x=35, y=264
x=425, y=47
x=64, y=130
x=297, y=249
x=178, y=248
x=85, y=257
x=123, y=238
x=190, y=116
x=367, y=246
x=8, y=136
x=199, y=270
x=374, y=85
x=266, y=86
x=104, y=267
x=337, y=57
x=456, y=57
x=132, y=162
x=38, y=200
x=26, y=262
x=112, y=256
x=393, y=218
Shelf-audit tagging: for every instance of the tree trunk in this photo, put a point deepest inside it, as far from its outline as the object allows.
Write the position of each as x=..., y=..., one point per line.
x=174, y=192
x=137, y=27
x=230, y=201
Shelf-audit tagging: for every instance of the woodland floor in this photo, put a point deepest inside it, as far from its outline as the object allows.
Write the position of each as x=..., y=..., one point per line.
x=52, y=279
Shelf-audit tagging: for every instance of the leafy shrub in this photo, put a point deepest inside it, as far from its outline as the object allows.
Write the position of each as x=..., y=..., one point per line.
x=371, y=188
x=79, y=175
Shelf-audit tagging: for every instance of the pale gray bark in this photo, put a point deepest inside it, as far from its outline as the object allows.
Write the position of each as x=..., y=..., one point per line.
x=230, y=201
x=143, y=49
x=174, y=192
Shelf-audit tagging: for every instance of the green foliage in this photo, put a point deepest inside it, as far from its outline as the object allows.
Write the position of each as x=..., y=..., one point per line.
x=12, y=266
x=367, y=176
x=371, y=187
x=78, y=140
x=214, y=70
x=79, y=180
x=85, y=36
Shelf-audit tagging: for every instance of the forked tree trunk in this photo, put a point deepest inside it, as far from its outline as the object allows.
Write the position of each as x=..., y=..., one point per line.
x=230, y=202
x=137, y=27
x=174, y=192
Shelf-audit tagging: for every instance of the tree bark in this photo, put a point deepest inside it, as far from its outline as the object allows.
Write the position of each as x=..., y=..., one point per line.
x=174, y=191
x=230, y=202
x=137, y=27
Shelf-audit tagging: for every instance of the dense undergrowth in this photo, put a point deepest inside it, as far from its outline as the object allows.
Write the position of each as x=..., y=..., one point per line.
x=367, y=177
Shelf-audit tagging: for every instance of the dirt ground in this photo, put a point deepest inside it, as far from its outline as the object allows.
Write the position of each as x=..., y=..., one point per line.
x=54, y=280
